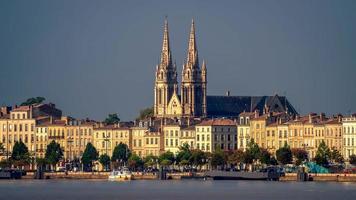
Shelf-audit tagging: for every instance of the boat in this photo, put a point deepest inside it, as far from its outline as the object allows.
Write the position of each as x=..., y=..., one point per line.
x=10, y=174
x=267, y=174
x=120, y=175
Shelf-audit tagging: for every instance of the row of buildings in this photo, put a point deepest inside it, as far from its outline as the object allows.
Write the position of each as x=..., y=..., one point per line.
x=154, y=136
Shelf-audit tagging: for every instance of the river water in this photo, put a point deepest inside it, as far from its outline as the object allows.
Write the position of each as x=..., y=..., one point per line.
x=172, y=190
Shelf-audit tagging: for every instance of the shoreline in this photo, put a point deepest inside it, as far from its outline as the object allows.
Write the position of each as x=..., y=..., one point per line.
x=178, y=176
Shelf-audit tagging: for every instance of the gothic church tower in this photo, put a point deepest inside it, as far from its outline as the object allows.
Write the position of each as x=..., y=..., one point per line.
x=194, y=81
x=166, y=78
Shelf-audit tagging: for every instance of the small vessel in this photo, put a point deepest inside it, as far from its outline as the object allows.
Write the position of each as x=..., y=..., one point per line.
x=120, y=175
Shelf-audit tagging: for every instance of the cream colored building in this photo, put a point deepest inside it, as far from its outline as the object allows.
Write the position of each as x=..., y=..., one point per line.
x=172, y=138
x=187, y=136
x=215, y=134
x=19, y=125
x=138, y=140
x=349, y=136
x=105, y=139
x=243, y=130
x=41, y=140
x=153, y=144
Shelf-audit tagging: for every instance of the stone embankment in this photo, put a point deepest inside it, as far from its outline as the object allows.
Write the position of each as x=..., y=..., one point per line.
x=323, y=177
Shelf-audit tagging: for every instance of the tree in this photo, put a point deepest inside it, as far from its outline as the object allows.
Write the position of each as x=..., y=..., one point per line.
x=300, y=155
x=284, y=155
x=336, y=156
x=89, y=156
x=264, y=156
x=166, y=156
x=184, y=153
x=121, y=153
x=150, y=160
x=2, y=149
x=253, y=149
x=112, y=119
x=218, y=159
x=197, y=158
x=104, y=160
x=322, y=156
x=135, y=162
x=236, y=157
x=352, y=159
x=33, y=100
x=20, y=153
x=54, y=153
x=145, y=113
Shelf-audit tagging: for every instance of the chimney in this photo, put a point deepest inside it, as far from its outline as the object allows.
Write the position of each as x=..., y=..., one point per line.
x=310, y=118
x=228, y=93
x=322, y=116
x=256, y=113
x=297, y=117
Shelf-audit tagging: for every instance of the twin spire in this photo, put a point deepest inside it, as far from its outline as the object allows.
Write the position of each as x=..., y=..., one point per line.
x=192, y=57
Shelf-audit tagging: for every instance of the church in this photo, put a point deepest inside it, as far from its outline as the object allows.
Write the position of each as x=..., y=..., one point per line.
x=190, y=100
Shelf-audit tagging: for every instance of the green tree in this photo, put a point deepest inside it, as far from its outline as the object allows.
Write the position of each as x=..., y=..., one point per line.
x=236, y=157
x=54, y=153
x=253, y=149
x=2, y=149
x=284, y=155
x=145, y=113
x=336, y=156
x=150, y=161
x=300, y=155
x=20, y=154
x=112, y=119
x=135, y=162
x=352, y=159
x=323, y=153
x=104, y=160
x=264, y=156
x=218, y=159
x=89, y=156
x=166, y=156
x=197, y=158
x=121, y=153
x=33, y=100
x=184, y=154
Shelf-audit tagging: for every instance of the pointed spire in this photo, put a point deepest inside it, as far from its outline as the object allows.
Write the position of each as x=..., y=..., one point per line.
x=203, y=66
x=192, y=58
x=166, y=59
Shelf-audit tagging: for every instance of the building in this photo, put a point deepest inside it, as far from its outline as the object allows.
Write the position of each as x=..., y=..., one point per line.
x=18, y=125
x=192, y=100
x=349, y=136
x=138, y=140
x=106, y=138
x=216, y=134
x=172, y=137
x=243, y=130
x=187, y=136
x=41, y=140
x=154, y=144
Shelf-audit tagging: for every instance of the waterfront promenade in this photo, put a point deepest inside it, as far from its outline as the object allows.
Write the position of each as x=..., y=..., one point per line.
x=177, y=176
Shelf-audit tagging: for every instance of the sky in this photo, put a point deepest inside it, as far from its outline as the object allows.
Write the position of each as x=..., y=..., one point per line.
x=92, y=58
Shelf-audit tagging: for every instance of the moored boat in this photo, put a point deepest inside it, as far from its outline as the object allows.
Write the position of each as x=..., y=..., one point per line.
x=120, y=175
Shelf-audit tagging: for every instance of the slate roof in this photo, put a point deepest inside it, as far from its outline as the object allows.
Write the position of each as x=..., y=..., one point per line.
x=232, y=106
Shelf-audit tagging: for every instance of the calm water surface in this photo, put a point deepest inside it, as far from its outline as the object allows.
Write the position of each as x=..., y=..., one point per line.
x=172, y=190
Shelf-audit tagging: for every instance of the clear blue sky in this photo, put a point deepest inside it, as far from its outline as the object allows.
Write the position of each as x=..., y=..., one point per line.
x=92, y=58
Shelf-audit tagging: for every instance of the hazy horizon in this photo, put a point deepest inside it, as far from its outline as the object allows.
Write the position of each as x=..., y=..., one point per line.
x=92, y=58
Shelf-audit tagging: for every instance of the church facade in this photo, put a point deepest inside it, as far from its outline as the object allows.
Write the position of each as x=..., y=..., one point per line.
x=190, y=100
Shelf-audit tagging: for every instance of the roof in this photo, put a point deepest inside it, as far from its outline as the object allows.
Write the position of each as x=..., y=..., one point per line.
x=21, y=109
x=217, y=122
x=232, y=106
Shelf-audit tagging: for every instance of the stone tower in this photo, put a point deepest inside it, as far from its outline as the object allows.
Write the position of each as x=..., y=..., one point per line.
x=194, y=79
x=166, y=77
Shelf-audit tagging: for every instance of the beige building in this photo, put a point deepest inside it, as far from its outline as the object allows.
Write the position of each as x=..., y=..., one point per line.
x=187, y=136
x=19, y=125
x=349, y=136
x=138, y=140
x=172, y=138
x=41, y=140
x=153, y=143
x=215, y=134
x=105, y=139
x=243, y=130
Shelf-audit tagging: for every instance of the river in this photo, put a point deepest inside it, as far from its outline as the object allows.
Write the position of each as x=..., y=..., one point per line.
x=172, y=190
